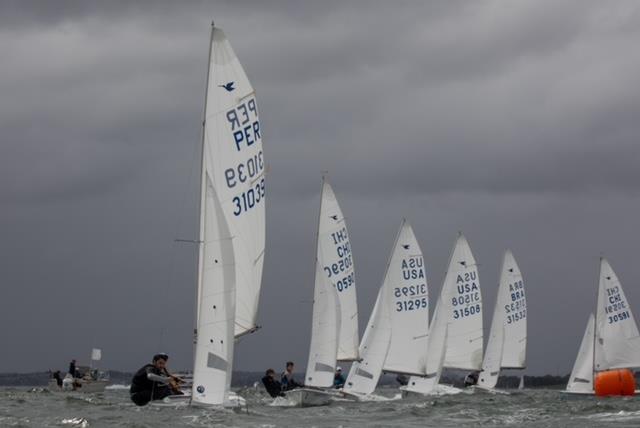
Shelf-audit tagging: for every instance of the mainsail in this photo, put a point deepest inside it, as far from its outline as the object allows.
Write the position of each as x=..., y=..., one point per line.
x=334, y=294
x=395, y=337
x=336, y=261
x=507, y=343
x=234, y=162
x=455, y=335
x=406, y=285
x=232, y=221
x=464, y=301
x=616, y=329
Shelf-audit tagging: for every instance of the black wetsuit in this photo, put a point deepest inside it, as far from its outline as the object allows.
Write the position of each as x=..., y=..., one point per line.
x=288, y=382
x=72, y=369
x=273, y=387
x=144, y=389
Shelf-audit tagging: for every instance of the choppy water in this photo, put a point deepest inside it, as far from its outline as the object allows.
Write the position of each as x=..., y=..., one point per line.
x=20, y=407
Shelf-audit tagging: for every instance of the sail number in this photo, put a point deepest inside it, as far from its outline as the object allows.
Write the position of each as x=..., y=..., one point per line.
x=465, y=312
x=619, y=317
x=410, y=305
x=345, y=282
x=249, y=199
x=615, y=304
x=517, y=309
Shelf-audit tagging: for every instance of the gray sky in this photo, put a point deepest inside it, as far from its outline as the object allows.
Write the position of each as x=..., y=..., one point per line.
x=515, y=122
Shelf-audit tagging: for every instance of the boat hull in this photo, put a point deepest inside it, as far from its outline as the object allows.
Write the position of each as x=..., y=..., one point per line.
x=308, y=397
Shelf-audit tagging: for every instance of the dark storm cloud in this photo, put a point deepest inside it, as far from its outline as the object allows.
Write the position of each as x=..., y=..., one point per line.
x=515, y=122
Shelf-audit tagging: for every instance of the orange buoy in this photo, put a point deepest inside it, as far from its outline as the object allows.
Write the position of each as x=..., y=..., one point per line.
x=615, y=382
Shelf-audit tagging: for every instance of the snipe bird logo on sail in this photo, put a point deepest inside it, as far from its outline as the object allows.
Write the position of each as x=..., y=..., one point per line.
x=335, y=217
x=228, y=86
x=405, y=246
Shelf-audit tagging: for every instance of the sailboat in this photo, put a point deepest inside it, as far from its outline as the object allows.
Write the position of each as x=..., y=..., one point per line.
x=611, y=340
x=455, y=335
x=506, y=348
x=334, y=329
x=231, y=224
x=396, y=333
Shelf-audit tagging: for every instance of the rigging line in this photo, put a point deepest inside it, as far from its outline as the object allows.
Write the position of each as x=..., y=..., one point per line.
x=178, y=221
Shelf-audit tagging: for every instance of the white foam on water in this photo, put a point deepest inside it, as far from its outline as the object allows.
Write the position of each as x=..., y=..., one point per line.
x=76, y=422
x=620, y=416
x=117, y=386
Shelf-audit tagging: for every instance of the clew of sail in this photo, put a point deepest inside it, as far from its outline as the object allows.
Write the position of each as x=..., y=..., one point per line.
x=408, y=299
x=234, y=162
x=616, y=329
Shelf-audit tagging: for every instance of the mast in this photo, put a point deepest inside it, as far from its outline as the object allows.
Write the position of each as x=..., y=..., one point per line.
x=595, y=328
x=201, y=206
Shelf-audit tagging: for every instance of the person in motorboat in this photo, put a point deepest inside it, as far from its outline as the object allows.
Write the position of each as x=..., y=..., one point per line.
x=471, y=379
x=287, y=380
x=153, y=382
x=72, y=368
x=273, y=387
x=338, y=378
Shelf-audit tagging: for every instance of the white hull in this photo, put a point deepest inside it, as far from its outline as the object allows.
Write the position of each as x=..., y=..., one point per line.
x=86, y=386
x=438, y=390
x=307, y=397
x=490, y=390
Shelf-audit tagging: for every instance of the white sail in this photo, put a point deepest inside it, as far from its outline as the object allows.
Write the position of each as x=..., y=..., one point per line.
x=464, y=301
x=456, y=330
x=521, y=384
x=435, y=358
x=408, y=298
x=234, y=162
x=335, y=260
x=506, y=347
x=364, y=374
x=515, y=314
x=616, y=329
x=214, y=341
x=334, y=276
x=581, y=379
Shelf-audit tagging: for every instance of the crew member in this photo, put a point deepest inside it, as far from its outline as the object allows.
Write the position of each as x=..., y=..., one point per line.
x=471, y=379
x=287, y=380
x=153, y=382
x=338, y=378
x=273, y=387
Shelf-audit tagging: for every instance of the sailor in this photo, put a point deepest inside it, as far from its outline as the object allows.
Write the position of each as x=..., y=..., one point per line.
x=338, y=378
x=471, y=379
x=273, y=387
x=403, y=380
x=287, y=380
x=153, y=382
